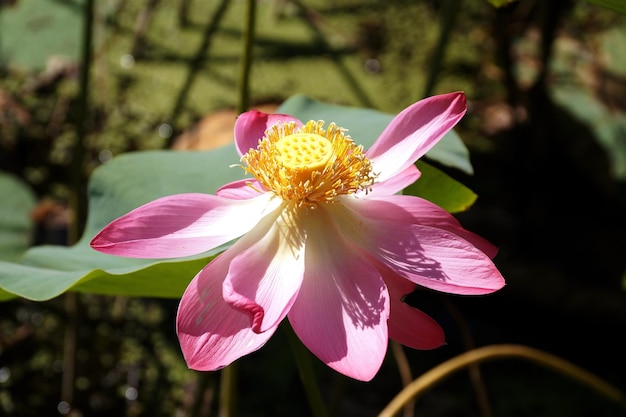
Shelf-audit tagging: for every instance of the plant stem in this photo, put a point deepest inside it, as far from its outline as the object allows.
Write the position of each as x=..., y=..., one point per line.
x=405, y=373
x=307, y=375
x=78, y=204
x=474, y=369
x=228, y=391
x=70, y=341
x=450, y=10
x=444, y=370
x=78, y=177
x=243, y=103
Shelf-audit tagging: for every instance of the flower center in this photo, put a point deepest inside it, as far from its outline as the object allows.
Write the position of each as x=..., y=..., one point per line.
x=304, y=153
x=309, y=164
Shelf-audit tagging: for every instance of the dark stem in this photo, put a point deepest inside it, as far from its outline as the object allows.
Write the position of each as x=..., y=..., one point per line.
x=78, y=177
x=307, y=375
x=450, y=11
x=480, y=390
x=70, y=340
x=243, y=103
x=228, y=391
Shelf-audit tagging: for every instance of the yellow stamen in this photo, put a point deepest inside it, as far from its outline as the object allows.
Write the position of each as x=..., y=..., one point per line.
x=308, y=164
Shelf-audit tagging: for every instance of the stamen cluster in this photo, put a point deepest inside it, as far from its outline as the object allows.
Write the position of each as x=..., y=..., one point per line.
x=309, y=164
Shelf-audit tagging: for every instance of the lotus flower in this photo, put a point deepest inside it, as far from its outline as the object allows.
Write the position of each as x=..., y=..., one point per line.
x=323, y=239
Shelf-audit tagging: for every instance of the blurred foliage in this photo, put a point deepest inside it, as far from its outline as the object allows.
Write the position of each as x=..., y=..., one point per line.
x=16, y=224
x=545, y=130
x=500, y=3
x=617, y=5
x=34, y=32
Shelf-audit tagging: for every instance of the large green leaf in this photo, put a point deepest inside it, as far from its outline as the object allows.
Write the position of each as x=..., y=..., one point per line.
x=16, y=224
x=133, y=179
x=32, y=31
x=123, y=184
x=435, y=186
x=121, y=276
x=365, y=125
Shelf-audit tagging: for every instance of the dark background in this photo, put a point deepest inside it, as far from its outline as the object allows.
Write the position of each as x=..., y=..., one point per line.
x=550, y=181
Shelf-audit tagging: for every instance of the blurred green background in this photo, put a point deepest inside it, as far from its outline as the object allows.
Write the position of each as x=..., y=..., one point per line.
x=546, y=130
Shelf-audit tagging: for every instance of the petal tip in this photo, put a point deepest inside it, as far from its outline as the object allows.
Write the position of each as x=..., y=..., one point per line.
x=100, y=243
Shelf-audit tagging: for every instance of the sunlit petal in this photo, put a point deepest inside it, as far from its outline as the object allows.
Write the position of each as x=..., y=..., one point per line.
x=342, y=309
x=429, y=256
x=414, y=131
x=416, y=210
x=180, y=225
x=265, y=276
x=241, y=189
x=396, y=183
x=213, y=334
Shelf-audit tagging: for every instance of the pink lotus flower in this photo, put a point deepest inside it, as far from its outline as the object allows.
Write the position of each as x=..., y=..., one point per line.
x=323, y=240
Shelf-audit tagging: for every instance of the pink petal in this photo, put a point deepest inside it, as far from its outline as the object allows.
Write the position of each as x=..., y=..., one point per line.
x=396, y=183
x=410, y=209
x=414, y=132
x=250, y=128
x=212, y=334
x=342, y=309
x=429, y=256
x=180, y=225
x=244, y=189
x=265, y=276
x=408, y=325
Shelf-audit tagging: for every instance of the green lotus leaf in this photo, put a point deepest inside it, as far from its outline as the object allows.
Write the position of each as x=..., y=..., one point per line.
x=16, y=224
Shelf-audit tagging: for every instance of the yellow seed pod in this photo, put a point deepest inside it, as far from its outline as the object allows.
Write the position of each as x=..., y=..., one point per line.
x=304, y=153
